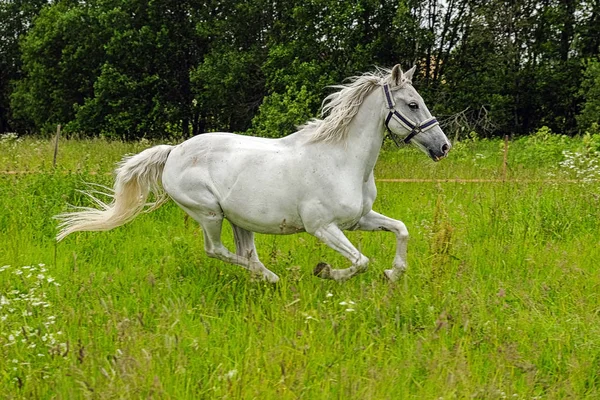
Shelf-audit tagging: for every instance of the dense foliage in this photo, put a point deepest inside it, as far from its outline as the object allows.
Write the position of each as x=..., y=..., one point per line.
x=173, y=68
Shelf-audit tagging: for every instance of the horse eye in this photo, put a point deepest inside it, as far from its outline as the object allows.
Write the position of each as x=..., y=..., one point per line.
x=413, y=106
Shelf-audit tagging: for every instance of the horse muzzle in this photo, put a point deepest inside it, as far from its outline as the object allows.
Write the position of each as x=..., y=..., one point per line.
x=438, y=154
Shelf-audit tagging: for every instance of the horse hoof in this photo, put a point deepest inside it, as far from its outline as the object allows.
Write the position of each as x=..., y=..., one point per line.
x=272, y=279
x=268, y=276
x=322, y=270
x=392, y=275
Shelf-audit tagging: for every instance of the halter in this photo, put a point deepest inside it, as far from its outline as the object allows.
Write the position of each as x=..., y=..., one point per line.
x=414, y=127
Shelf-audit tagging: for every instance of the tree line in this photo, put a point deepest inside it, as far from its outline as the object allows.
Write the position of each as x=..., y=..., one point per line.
x=174, y=68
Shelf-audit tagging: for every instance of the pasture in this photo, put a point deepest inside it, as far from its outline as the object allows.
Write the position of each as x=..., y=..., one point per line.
x=501, y=299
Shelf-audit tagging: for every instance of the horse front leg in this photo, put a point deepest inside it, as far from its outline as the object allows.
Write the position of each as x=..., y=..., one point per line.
x=373, y=221
x=333, y=237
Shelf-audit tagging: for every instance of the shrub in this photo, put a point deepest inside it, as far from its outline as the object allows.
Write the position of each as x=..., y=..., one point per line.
x=541, y=148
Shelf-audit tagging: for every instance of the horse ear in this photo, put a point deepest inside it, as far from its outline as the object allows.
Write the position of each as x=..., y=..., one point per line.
x=396, y=74
x=408, y=75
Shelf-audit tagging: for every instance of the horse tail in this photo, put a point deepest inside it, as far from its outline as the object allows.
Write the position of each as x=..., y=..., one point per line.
x=136, y=177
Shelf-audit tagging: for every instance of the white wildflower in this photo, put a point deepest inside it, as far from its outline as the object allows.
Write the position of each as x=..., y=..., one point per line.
x=231, y=374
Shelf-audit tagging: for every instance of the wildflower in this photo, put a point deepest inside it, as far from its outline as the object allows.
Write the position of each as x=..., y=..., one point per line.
x=231, y=374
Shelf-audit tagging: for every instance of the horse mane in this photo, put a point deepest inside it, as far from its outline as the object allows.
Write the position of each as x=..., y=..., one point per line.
x=338, y=109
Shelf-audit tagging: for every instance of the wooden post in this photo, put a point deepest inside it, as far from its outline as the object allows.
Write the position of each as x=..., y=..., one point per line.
x=505, y=161
x=56, y=146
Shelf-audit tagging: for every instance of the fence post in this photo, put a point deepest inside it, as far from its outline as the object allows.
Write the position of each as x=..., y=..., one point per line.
x=56, y=146
x=505, y=160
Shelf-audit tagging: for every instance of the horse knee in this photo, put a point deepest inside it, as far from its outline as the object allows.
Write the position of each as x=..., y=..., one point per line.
x=401, y=231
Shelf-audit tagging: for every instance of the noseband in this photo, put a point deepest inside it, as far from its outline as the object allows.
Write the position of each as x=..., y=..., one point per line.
x=414, y=127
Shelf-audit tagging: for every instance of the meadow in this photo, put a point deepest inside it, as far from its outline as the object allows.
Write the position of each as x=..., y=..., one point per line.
x=501, y=299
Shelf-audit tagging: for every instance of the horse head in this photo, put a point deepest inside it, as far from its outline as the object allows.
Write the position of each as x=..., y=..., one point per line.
x=408, y=119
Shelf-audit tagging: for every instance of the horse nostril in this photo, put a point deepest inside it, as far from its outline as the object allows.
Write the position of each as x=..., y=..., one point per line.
x=445, y=148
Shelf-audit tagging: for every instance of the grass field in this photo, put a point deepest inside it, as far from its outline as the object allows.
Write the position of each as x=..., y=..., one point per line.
x=501, y=299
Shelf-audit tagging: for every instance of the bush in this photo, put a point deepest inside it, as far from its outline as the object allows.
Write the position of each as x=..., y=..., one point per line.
x=541, y=148
x=591, y=139
x=280, y=114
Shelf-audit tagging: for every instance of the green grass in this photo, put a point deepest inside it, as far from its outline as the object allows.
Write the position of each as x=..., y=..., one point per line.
x=501, y=299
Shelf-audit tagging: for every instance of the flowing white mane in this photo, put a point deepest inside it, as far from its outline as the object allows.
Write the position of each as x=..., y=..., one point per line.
x=340, y=107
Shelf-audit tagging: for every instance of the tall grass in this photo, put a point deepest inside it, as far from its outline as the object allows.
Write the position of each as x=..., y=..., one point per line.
x=501, y=298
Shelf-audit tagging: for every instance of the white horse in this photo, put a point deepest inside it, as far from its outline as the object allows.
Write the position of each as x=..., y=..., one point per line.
x=317, y=180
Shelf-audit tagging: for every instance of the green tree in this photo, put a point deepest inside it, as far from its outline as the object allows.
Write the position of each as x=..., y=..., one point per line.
x=344, y=39
x=144, y=86
x=61, y=55
x=15, y=20
x=590, y=92
x=519, y=60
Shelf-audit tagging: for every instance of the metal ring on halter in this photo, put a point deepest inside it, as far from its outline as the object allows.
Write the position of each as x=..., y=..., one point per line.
x=414, y=128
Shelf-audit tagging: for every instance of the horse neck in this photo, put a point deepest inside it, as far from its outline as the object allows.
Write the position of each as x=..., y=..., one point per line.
x=365, y=133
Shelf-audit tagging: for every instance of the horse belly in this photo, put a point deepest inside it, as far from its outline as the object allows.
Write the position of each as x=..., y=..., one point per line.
x=263, y=210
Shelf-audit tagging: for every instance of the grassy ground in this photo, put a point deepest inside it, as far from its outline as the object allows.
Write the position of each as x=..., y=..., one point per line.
x=501, y=299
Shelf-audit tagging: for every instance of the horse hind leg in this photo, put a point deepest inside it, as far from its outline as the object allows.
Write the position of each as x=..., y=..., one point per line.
x=245, y=248
x=244, y=242
x=211, y=221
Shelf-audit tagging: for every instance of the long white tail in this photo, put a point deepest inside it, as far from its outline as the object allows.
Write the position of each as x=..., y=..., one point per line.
x=136, y=177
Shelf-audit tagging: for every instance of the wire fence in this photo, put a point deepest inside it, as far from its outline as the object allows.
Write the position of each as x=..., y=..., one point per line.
x=502, y=179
